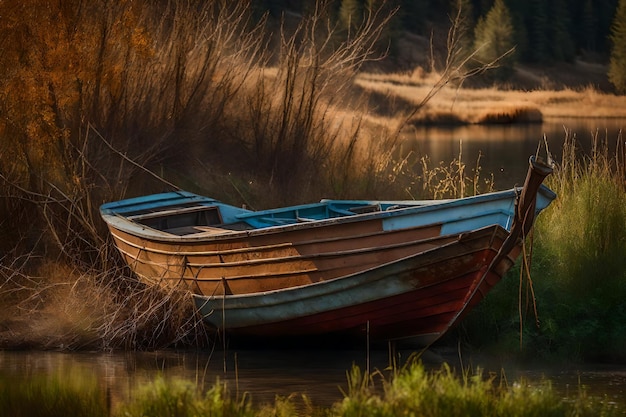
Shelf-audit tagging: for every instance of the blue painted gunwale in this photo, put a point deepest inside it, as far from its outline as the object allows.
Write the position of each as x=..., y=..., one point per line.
x=455, y=216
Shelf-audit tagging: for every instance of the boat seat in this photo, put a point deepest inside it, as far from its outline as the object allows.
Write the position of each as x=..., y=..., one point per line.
x=197, y=230
x=371, y=208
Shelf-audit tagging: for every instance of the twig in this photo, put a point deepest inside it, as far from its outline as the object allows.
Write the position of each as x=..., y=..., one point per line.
x=132, y=162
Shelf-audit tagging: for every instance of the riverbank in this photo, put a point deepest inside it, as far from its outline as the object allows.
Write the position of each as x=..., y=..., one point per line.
x=395, y=94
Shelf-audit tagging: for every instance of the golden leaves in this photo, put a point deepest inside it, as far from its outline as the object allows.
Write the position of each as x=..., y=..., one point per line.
x=54, y=56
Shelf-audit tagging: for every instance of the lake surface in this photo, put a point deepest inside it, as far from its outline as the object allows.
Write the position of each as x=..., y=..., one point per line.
x=505, y=149
x=320, y=374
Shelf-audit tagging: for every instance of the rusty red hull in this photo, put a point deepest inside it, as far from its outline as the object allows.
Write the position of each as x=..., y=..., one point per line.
x=421, y=296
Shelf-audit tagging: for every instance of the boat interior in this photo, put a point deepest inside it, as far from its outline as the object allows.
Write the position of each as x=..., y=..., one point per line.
x=218, y=217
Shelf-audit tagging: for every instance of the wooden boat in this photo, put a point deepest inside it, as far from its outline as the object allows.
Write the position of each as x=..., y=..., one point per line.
x=398, y=268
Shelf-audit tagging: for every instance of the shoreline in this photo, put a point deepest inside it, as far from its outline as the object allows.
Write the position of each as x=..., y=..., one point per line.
x=395, y=94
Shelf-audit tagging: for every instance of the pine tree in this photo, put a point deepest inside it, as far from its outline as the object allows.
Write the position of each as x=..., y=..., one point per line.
x=589, y=25
x=494, y=36
x=617, y=65
x=351, y=14
x=562, y=47
x=539, y=41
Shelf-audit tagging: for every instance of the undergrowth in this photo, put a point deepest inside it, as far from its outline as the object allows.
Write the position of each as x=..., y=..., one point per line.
x=578, y=274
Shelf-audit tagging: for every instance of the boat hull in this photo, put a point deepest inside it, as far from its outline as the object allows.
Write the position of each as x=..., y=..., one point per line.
x=253, y=261
x=390, y=269
x=420, y=296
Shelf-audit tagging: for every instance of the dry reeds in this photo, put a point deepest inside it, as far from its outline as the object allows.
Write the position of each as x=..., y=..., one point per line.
x=60, y=307
x=510, y=114
x=152, y=84
x=294, y=127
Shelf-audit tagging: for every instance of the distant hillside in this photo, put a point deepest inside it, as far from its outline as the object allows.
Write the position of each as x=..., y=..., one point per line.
x=415, y=51
x=557, y=44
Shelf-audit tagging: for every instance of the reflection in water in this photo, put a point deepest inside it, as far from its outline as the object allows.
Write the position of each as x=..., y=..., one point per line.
x=263, y=374
x=505, y=148
x=320, y=374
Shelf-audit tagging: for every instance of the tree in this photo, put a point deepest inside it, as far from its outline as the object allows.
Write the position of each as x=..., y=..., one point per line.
x=617, y=65
x=538, y=31
x=462, y=13
x=351, y=14
x=562, y=46
x=589, y=25
x=494, y=36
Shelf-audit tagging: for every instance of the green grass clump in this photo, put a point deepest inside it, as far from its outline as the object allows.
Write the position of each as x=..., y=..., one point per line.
x=414, y=391
x=180, y=398
x=583, y=241
x=578, y=269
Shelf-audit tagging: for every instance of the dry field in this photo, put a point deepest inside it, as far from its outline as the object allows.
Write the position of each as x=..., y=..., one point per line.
x=453, y=104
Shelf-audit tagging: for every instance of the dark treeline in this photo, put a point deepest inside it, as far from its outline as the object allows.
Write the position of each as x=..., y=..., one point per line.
x=545, y=31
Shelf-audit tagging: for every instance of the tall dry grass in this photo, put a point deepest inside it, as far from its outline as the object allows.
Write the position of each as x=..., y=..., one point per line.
x=86, y=88
x=101, y=96
x=293, y=122
x=60, y=306
x=103, y=100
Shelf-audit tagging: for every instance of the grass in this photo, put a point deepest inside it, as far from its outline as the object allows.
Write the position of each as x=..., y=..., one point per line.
x=584, y=238
x=411, y=390
x=578, y=268
x=180, y=398
x=474, y=105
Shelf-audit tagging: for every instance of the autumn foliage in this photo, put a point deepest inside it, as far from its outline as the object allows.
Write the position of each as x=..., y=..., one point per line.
x=134, y=72
x=103, y=99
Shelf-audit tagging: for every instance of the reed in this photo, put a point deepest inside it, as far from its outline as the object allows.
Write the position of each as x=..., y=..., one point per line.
x=454, y=180
x=578, y=269
x=584, y=237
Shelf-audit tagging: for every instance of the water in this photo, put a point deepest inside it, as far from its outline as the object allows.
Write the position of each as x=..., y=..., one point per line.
x=505, y=149
x=320, y=374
